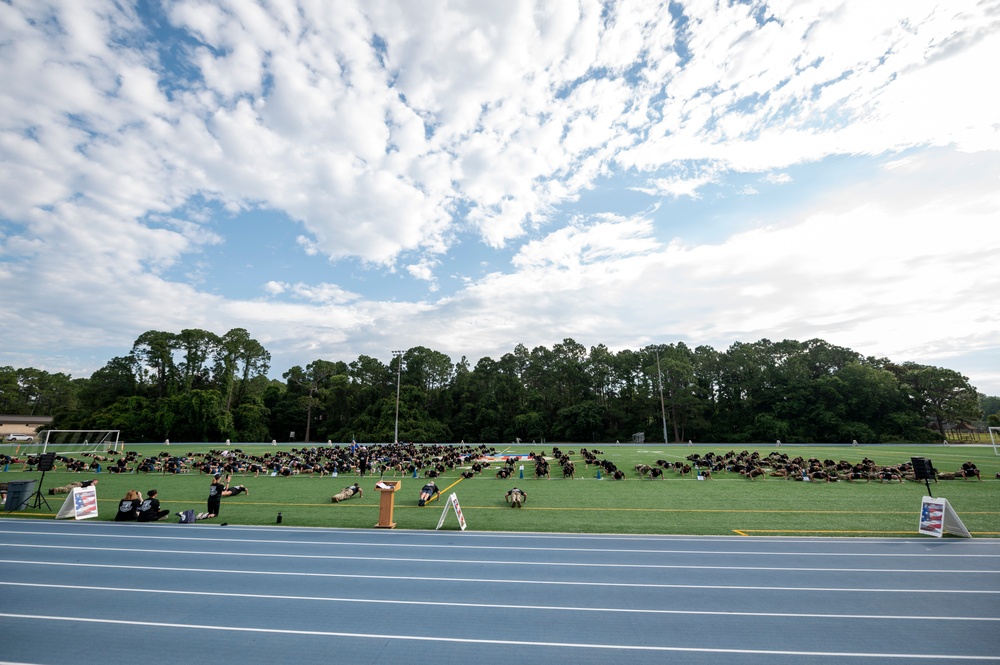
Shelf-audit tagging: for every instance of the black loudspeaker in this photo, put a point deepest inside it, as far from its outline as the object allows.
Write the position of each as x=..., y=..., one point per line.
x=922, y=468
x=47, y=462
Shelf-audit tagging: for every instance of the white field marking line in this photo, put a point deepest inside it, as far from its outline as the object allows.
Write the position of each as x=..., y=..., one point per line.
x=511, y=535
x=464, y=640
x=498, y=562
x=381, y=545
x=506, y=582
x=500, y=606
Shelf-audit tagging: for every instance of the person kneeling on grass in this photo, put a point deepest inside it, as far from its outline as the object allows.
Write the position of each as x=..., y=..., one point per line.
x=347, y=493
x=216, y=491
x=427, y=491
x=516, y=497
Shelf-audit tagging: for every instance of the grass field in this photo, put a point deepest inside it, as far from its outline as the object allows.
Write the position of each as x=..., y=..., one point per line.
x=726, y=505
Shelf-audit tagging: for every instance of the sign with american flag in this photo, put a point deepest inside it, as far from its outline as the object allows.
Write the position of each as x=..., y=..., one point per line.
x=80, y=504
x=937, y=518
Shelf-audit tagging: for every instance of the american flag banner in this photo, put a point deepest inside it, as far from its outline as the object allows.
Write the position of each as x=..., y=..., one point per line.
x=80, y=504
x=937, y=518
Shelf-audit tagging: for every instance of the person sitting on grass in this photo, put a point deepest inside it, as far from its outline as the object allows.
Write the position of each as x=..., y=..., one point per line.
x=427, y=491
x=128, y=508
x=149, y=510
x=515, y=497
x=347, y=493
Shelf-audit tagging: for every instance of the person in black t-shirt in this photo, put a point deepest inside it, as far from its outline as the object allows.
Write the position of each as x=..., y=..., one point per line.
x=149, y=510
x=515, y=497
x=347, y=493
x=128, y=508
x=216, y=491
x=427, y=491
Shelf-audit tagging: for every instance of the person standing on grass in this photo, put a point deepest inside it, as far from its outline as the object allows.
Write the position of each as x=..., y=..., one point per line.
x=363, y=461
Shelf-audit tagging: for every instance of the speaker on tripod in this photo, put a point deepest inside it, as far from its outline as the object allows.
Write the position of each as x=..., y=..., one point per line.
x=924, y=470
x=46, y=462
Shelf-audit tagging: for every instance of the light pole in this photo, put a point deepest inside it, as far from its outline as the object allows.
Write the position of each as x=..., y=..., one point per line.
x=663, y=409
x=398, y=355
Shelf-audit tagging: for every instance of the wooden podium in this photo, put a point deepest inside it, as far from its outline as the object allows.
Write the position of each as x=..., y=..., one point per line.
x=386, y=503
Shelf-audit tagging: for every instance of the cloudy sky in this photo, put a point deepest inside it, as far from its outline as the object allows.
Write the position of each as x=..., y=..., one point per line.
x=347, y=178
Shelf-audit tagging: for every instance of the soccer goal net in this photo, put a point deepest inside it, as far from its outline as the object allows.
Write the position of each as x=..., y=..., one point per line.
x=77, y=441
x=994, y=437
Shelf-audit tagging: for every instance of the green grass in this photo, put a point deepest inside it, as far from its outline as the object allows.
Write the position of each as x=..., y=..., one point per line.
x=725, y=505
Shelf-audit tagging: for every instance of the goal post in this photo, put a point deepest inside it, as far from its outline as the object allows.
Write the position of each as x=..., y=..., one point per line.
x=994, y=437
x=70, y=441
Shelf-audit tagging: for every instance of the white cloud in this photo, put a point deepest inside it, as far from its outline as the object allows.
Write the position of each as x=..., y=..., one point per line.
x=777, y=178
x=424, y=270
x=678, y=186
x=275, y=288
x=500, y=120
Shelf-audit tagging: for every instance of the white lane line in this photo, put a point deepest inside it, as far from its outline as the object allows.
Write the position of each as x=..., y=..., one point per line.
x=498, y=562
x=500, y=606
x=784, y=540
x=454, y=546
x=503, y=582
x=497, y=642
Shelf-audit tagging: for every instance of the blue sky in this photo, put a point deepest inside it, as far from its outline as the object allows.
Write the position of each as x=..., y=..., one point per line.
x=470, y=176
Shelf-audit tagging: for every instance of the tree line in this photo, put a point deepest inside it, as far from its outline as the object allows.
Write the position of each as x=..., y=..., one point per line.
x=198, y=386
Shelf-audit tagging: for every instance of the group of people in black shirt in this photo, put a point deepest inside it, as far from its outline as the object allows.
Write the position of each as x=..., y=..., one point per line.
x=133, y=508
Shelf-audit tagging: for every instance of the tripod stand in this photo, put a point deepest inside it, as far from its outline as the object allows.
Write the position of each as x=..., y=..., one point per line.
x=46, y=462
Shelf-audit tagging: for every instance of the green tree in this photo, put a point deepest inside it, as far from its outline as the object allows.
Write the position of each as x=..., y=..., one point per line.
x=198, y=348
x=154, y=350
x=117, y=379
x=940, y=395
x=240, y=363
x=312, y=384
x=197, y=415
x=135, y=416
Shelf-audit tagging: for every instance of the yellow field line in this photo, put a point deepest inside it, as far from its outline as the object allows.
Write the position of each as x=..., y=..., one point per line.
x=436, y=497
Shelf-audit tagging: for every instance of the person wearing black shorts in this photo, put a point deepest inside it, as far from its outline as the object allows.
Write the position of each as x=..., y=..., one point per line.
x=427, y=491
x=215, y=491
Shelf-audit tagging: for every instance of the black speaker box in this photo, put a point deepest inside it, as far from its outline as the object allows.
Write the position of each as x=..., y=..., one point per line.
x=46, y=462
x=922, y=468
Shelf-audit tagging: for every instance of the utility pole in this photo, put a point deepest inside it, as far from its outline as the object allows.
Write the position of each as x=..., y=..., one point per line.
x=398, y=355
x=663, y=409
